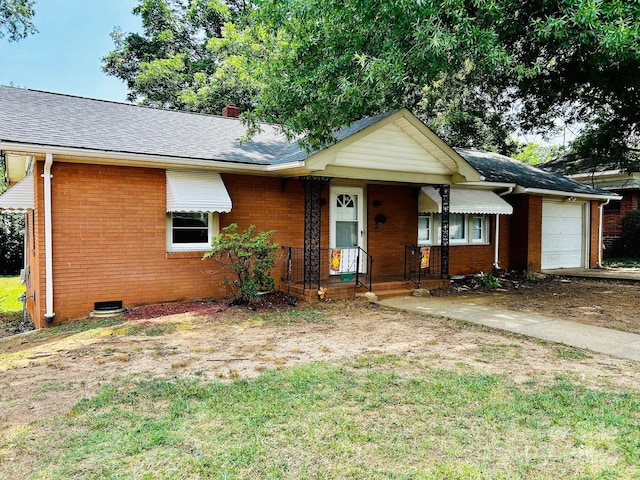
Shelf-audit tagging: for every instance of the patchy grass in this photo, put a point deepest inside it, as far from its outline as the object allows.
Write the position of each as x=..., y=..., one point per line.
x=622, y=262
x=366, y=418
x=10, y=290
x=572, y=353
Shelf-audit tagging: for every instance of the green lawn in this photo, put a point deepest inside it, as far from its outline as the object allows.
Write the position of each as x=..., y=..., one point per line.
x=376, y=417
x=10, y=290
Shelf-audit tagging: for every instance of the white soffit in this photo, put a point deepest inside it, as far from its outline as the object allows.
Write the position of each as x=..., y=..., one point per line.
x=189, y=191
x=464, y=201
x=398, y=146
x=18, y=198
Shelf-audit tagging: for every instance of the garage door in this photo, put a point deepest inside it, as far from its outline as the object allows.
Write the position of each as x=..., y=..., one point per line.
x=562, y=235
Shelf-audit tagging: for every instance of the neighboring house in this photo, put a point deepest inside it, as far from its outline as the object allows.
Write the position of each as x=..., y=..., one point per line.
x=608, y=177
x=121, y=201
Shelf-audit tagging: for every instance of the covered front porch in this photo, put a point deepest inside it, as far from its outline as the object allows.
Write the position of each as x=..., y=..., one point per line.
x=347, y=272
x=361, y=211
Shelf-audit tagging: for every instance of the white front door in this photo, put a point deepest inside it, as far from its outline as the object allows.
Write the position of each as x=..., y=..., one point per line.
x=346, y=217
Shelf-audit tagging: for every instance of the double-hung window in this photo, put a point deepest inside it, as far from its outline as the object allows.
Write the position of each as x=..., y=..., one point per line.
x=425, y=229
x=463, y=229
x=191, y=231
x=478, y=229
x=193, y=202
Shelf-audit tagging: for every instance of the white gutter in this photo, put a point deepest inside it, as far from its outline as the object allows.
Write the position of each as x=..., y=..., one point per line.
x=146, y=160
x=48, y=243
x=496, y=259
x=600, y=215
x=558, y=193
x=496, y=253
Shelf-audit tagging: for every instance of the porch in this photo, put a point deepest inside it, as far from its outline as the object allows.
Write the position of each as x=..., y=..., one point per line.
x=346, y=272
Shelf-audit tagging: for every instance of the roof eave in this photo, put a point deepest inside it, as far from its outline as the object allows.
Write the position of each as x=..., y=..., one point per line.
x=146, y=160
x=560, y=193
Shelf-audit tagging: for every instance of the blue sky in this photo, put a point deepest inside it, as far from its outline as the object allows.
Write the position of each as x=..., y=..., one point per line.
x=64, y=56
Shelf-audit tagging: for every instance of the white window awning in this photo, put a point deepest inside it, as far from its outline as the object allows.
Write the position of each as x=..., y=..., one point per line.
x=18, y=198
x=464, y=201
x=189, y=191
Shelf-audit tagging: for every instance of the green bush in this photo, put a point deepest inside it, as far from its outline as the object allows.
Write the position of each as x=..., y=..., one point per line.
x=487, y=280
x=631, y=233
x=11, y=243
x=249, y=256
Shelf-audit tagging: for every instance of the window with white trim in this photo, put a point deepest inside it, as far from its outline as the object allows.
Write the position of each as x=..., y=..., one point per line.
x=191, y=231
x=478, y=229
x=457, y=228
x=463, y=229
x=424, y=229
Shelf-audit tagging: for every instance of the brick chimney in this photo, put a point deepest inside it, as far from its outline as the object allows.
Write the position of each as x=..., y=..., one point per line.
x=230, y=111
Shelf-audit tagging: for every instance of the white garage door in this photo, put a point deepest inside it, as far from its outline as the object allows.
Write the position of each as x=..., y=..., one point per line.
x=563, y=239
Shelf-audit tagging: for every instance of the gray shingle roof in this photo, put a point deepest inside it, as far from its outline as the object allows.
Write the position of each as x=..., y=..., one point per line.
x=50, y=119
x=570, y=165
x=499, y=168
x=42, y=118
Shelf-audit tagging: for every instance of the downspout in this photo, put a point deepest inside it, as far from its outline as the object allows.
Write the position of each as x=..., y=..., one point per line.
x=496, y=254
x=48, y=243
x=496, y=260
x=600, y=215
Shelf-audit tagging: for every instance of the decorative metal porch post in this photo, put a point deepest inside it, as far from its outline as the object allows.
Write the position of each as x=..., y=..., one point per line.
x=313, y=187
x=445, y=195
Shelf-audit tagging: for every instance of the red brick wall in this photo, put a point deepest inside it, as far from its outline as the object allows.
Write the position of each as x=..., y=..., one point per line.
x=35, y=245
x=526, y=233
x=612, y=220
x=386, y=242
x=472, y=259
x=109, y=236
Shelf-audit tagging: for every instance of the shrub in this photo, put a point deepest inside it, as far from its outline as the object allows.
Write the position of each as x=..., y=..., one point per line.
x=487, y=280
x=249, y=256
x=11, y=243
x=631, y=233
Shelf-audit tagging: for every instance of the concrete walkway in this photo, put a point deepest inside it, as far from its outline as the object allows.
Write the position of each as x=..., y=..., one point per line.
x=596, y=339
x=627, y=274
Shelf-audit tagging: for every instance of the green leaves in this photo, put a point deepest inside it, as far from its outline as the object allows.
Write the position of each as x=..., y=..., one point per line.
x=16, y=19
x=249, y=255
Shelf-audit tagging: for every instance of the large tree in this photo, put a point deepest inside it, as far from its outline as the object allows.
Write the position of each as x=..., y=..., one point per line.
x=172, y=63
x=474, y=70
x=16, y=19
x=502, y=63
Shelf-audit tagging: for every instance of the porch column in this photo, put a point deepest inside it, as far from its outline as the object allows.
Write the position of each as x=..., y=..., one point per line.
x=313, y=187
x=445, y=194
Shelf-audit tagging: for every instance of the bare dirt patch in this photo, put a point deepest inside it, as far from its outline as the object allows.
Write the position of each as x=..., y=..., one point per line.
x=603, y=303
x=43, y=374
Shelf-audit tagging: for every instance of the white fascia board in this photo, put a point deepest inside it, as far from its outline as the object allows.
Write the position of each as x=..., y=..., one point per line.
x=558, y=193
x=595, y=174
x=488, y=185
x=144, y=160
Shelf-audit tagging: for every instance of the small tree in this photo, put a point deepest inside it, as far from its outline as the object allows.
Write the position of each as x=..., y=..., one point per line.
x=249, y=255
x=631, y=234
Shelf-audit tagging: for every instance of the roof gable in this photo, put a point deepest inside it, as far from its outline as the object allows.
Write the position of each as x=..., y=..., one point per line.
x=395, y=142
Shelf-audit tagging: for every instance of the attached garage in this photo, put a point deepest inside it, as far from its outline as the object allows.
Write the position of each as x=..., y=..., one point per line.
x=563, y=234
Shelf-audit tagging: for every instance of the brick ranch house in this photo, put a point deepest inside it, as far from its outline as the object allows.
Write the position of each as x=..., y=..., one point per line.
x=611, y=178
x=121, y=201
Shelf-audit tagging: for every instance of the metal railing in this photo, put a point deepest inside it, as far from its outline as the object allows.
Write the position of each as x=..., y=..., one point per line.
x=421, y=263
x=337, y=266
